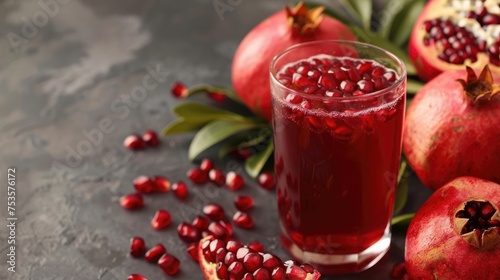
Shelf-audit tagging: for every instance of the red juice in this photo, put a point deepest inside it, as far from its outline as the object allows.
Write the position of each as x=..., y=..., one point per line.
x=336, y=163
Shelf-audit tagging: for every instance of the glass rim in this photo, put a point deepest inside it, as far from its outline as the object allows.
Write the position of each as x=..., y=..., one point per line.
x=402, y=77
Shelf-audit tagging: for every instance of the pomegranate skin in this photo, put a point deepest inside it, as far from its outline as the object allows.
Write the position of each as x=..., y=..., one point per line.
x=250, y=66
x=434, y=250
x=446, y=136
x=425, y=59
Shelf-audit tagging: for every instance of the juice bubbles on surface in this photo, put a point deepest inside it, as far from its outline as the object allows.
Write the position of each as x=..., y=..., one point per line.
x=337, y=125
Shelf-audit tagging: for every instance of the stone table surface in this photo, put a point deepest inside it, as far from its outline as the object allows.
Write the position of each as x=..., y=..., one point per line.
x=76, y=77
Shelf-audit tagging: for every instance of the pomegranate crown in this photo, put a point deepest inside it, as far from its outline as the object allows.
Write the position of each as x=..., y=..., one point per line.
x=477, y=88
x=303, y=21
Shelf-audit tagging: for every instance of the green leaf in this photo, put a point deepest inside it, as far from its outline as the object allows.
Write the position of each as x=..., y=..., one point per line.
x=253, y=138
x=386, y=19
x=204, y=88
x=216, y=131
x=363, y=9
x=402, y=189
x=374, y=39
x=254, y=164
x=405, y=19
x=402, y=220
x=196, y=112
x=181, y=125
x=413, y=85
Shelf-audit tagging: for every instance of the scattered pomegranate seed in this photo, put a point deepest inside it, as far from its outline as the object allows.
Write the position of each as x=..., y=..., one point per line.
x=155, y=253
x=228, y=226
x=151, y=138
x=398, y=271
x=187, y=232
x=217, y=177
x=161, y=220
x=136, y=276
x=243, y=220
x=143, y=184
x=266, y=180
x=133, y=201
x=216, y=96
x=161, y=184
x=242, y=153
x=180, y=189
x=179, y=90
x=197, y=175
x=214, y=211
x=134, y=142
x=256, y=246
x=206, y=165
x=243, y=202
x=169, y=264
x=234, y=181
x=218, y=230
x=192, y=250
x=137, y=247
x=201, y=223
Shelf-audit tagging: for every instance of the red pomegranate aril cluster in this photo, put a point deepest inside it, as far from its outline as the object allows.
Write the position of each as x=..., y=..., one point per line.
x=135, y=142
x=458, y=43
x=236, y=261
x=480, y=215
x=339, y=77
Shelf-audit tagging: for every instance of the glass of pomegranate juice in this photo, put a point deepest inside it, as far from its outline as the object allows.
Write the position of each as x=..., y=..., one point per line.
x=338, y=111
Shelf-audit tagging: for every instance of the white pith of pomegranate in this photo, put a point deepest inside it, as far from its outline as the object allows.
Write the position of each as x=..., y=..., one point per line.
x=452, y=33
x=232, y=260
x=273, y=35
x=449, y=133
x=456, y=233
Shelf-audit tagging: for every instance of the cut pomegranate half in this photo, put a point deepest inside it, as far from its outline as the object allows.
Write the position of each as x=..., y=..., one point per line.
x=245, y=261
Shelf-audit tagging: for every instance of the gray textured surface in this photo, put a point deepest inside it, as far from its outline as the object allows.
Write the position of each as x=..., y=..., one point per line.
x=79, y=67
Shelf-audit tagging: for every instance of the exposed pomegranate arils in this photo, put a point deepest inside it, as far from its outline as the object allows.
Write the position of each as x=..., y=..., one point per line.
x=133, y=201
x=180, y=189
x=242, y=252
x=179, y=90
x=161, y=220
x=143, y=184
x=233, y=246
x=197, y=175
x=155, y=253
x=256, y=246
x=192, y=250
x=137, y=247
x=229, y=258
x=300, y=81
x=216, y=96
x=262, y=274
x=243, y=220
x=136, y=276
x=220, y=255
x=219, y=231
x=366, y=86
x=236, y=270
x=279, y=273
x=327, y=81
x=221, y=271
x=307, y=268
x=228, y=226
x=169, y=264
x=214, y=246
x=293, y=98
x=270, y=261
x=214, y=211
x=252, y=262
x=358, y=93
x=151, y=138
x=234, y=181
x=206, y=165
x=161, y=184
x=243, y=202
x=248, y=276
x=217, y=177
x=348, y=86
x=187, y=232
x=134, y=142
x=200, y=222
x=266, y=180
x=294, y=272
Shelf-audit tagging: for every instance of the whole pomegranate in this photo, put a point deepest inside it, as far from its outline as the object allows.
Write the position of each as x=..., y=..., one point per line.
x=452, y=128
x=456, y=233
x=451, y=33
x=250, y=68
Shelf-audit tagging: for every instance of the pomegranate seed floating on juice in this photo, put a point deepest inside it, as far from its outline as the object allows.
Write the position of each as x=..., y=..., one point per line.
x=332, y=151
